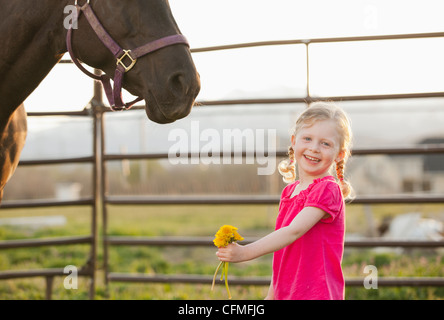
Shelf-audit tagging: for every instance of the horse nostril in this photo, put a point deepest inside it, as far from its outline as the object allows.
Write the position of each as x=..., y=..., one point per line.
x=178, y=84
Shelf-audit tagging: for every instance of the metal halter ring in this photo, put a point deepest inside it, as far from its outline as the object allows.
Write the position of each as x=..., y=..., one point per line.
x=76, y=2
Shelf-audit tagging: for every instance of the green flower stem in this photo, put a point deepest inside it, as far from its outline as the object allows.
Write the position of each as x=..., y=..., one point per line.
x=215, y=274
x=224, y=274
x=226, y=280
x=223, y=271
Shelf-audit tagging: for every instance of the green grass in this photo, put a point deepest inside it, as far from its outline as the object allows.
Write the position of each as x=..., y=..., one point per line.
x=251, y=220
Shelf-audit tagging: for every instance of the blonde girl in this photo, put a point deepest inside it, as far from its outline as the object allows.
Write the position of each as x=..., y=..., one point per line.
x=308, y=241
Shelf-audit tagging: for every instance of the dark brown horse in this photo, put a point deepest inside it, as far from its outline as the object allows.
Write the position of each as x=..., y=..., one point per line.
x=32, y=41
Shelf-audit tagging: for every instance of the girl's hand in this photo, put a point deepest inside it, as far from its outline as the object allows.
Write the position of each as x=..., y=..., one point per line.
x=231, y=253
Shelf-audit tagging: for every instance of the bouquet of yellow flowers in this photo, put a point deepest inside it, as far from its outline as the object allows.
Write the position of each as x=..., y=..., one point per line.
x=227, y=234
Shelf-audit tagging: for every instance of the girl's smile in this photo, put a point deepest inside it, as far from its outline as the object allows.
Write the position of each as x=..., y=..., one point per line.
x=312, y=159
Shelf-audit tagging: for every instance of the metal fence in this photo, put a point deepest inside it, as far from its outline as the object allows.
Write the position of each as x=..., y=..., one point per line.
x=100, y=200
x=89, y=269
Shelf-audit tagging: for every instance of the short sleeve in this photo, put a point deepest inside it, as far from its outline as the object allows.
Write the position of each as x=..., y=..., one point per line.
x=326, y=195
x=286, y=192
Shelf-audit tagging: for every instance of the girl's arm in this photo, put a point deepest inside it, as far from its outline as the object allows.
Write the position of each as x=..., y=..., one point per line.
x=274, y=241
x=270, y=295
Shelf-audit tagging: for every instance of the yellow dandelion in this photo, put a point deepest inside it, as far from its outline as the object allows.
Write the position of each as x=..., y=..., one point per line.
x=225, y=235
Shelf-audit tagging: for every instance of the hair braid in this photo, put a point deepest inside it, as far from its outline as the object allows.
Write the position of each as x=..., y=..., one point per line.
x=291, y=154
x=345, y=185
x=287, y=167
x=340, y=170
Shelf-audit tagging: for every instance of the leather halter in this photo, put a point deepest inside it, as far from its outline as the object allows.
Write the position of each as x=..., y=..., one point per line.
x=114, y=95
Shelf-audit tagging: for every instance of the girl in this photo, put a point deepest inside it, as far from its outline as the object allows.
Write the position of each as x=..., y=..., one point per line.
x=308, y=242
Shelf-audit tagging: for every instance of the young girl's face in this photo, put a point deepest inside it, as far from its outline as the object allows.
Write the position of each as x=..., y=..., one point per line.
x=317, y=148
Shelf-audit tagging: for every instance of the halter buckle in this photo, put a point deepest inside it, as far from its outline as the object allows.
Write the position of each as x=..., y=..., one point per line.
x=120, y=60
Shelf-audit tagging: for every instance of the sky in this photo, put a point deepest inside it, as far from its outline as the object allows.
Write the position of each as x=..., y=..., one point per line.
x=369, y=67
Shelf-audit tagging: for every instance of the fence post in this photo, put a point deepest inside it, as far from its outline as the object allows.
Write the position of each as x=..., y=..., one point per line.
x=49, y=282
x=97, y=113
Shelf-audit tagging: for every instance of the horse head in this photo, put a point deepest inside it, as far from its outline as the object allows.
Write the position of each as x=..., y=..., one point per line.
x=166, y=78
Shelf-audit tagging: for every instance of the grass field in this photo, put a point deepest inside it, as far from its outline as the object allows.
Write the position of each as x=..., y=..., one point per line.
x=252, y=221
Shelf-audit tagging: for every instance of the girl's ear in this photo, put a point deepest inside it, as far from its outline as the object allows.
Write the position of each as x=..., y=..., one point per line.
x=293, y=140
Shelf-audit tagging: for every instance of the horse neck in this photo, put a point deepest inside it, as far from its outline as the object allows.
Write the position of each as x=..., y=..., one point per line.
x=32, y=37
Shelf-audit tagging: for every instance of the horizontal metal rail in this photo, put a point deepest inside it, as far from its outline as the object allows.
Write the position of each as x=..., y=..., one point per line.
x=309, y=99
x=394, y=199
x=401, y=282
x=28, y=243
x=418, y=149
x=39, y=273
x=208, y=242
x=82, y=113
x=192, y=200
x=265, y=281
x=9, y=204
x=159, y=241
x=89, y=159
x=414, y=150
x=258, y=199
x=320, y=40
x=174, y=278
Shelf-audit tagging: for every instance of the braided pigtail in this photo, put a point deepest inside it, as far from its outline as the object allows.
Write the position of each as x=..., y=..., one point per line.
x=287, y=167
x=345, y=185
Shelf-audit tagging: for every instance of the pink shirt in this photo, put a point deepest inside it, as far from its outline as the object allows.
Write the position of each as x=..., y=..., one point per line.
x=310, y=267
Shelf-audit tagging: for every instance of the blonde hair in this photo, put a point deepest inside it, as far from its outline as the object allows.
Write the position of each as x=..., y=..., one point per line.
x=318, y=111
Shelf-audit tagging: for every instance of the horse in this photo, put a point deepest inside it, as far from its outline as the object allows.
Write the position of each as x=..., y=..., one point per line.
x=137, y=43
